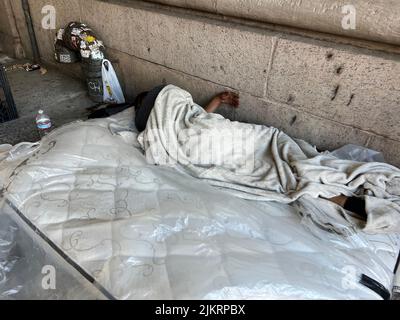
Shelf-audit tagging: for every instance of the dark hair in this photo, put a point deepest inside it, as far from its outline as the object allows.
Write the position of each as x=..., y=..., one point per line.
x=139, y=99
x=144, y=105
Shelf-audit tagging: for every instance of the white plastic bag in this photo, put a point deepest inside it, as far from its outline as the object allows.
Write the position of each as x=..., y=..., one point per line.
x=111, y=87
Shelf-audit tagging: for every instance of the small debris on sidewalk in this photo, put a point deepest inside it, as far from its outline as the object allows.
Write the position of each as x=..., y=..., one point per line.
x=27, y=67
x=43, y=71
x=31, y=67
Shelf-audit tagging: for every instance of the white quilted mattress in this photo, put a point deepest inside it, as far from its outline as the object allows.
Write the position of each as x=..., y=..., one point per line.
x=146, y=232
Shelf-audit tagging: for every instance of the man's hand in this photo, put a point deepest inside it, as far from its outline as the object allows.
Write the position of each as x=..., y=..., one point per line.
x=230, y=98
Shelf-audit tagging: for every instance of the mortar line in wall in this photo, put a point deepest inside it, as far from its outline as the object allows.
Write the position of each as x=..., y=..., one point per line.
x=184, y=73
x=274, y=45
x=369, y=132
x=368, y=141
x=293, y=31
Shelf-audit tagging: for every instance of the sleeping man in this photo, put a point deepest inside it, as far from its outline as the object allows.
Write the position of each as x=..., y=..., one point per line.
x=261, y=162
x=145, y=101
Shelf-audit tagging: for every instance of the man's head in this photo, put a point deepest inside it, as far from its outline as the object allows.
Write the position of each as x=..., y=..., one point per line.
x=139, y=100
x=144, y=104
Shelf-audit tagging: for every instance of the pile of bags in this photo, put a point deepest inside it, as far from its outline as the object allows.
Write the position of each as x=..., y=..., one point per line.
x=77, y=42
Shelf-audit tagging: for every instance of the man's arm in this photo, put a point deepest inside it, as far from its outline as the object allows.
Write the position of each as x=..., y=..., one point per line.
x=230, y=98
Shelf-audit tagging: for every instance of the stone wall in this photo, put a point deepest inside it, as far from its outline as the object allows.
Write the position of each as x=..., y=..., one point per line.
x=376, y=20
x=6, y=37
x=325, y=89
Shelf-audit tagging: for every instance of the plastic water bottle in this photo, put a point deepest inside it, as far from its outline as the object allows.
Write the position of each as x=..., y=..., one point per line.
x=43, y=123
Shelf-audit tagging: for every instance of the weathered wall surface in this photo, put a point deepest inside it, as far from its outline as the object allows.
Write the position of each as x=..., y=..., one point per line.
x=379, y=19
x=6, y=37
x=14, y=39
x=327, y=93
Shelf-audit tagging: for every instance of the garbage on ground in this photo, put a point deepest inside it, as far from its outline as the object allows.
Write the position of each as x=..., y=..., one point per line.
x=27, y=67
x=79, y=37
x=77, y=42
x=62, y=53
x=31, y=67
x=43, y=71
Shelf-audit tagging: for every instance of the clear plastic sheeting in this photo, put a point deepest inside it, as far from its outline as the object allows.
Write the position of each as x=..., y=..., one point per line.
x=148, y=232
x=396, y=287
x=26, y=261
x=358, y=153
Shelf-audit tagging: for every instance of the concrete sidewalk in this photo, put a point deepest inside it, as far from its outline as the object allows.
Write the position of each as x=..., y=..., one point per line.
x=63, y=98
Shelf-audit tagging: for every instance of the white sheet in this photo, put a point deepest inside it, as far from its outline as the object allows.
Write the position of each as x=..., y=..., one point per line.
x=148, y=232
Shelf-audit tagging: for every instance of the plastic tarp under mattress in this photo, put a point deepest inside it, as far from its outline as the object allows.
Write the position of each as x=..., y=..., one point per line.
x=148, y=232
x=26, y=260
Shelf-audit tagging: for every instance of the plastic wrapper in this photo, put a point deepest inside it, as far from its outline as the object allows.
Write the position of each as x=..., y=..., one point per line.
x=358, y=153
x=148, y=232
x=25, y=259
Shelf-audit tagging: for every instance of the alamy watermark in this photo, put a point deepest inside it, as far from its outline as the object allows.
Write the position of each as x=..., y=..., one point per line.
x=231, y=148
x=49, y=280
x=350, y=278
x=50, y=17
x=349, y=21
